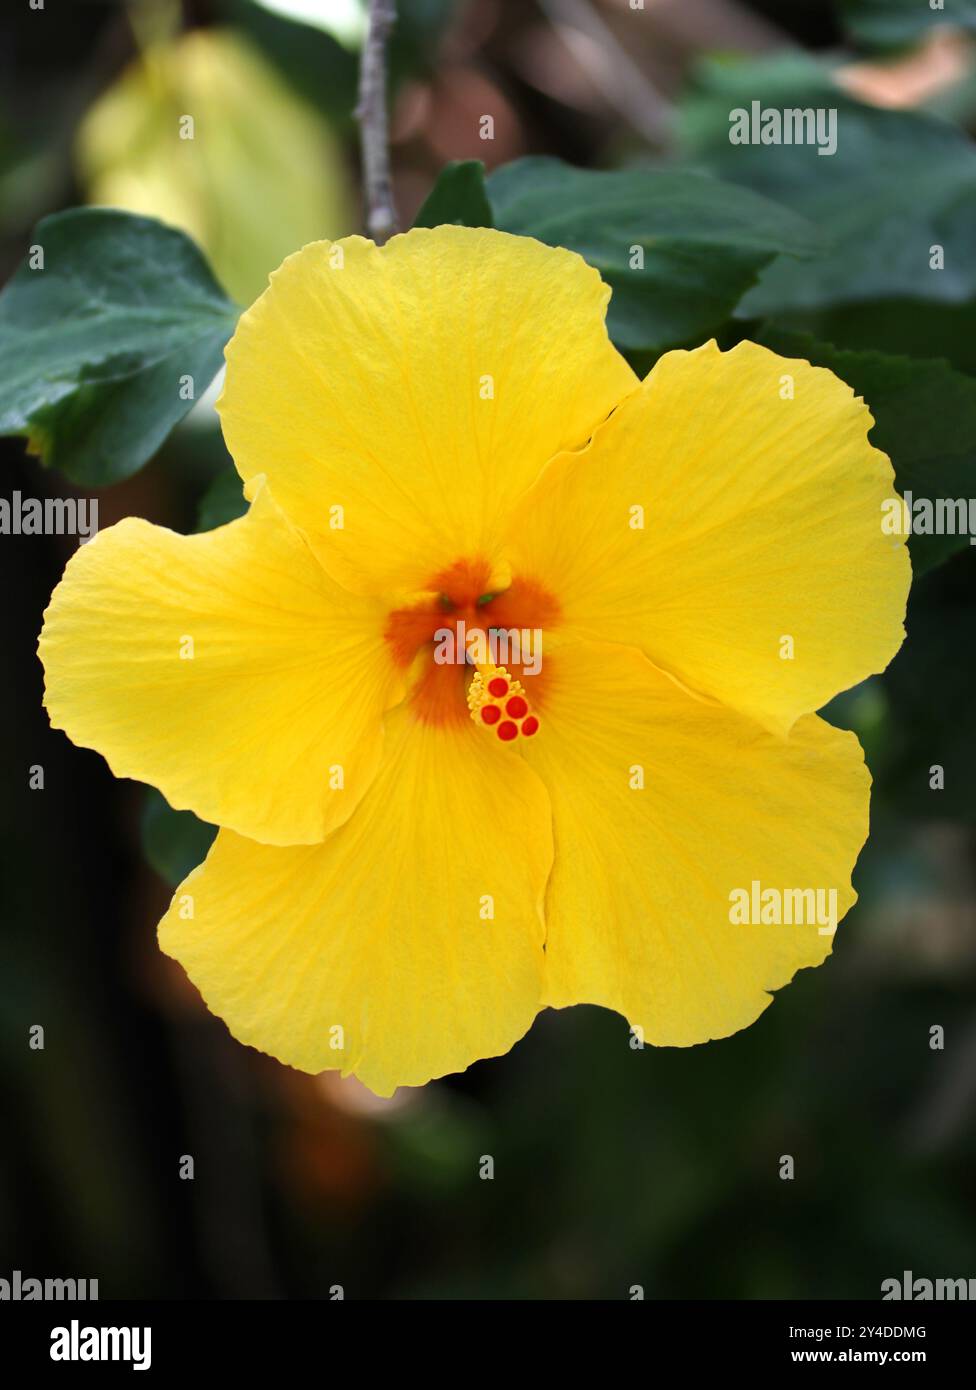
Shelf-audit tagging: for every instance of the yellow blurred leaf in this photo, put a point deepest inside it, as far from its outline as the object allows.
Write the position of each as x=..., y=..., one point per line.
x=252, y=176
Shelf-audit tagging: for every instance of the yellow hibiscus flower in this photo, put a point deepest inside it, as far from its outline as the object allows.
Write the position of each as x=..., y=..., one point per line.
x=438, y=432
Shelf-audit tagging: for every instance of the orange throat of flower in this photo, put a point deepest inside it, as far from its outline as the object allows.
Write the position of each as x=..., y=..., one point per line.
x=474, y=653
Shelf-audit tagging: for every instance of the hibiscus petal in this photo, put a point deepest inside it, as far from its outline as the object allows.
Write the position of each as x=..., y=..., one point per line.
x=419, y=388
x=374, y=952
x=762, y=576
x=226, y=668
x=638, y=907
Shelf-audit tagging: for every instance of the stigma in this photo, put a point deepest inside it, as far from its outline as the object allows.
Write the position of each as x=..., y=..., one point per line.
x=498, y=702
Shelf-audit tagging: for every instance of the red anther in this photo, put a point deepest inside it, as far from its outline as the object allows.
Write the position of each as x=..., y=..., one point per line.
x=517, y=706
x=498, y=687
x=530, y=726
x=491, y=714
x=507, y=731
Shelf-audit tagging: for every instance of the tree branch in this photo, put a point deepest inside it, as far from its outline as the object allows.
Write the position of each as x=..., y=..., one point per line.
x=381, y=218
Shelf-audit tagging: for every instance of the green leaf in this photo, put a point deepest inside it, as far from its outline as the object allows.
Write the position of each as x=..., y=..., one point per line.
x=223, y=501
x=903, y=327
x=891, y=23
x=96, y=346
x=702, y=242
x=925, y=421
x=457, y=197
x=898, y=184
x=174, y=842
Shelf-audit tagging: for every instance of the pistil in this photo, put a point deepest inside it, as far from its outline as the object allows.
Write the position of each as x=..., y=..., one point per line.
x=499, y=702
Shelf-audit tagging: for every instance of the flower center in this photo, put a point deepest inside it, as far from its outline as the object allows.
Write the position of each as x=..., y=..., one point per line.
x=471, y=649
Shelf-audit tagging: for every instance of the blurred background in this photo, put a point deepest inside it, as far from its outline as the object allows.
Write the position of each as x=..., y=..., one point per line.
x=613, y=1167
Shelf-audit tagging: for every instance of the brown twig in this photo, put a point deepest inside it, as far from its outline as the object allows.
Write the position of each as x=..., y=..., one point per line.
x=381, y=218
